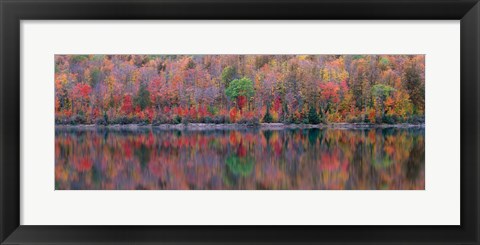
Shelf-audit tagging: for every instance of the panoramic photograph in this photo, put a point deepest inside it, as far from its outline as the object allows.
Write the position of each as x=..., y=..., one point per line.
x=239, y=122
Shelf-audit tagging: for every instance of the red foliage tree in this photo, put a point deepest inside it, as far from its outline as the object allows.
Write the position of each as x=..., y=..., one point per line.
x=127, y=105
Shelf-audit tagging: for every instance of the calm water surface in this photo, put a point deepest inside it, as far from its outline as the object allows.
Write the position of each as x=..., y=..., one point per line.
x=303, y=159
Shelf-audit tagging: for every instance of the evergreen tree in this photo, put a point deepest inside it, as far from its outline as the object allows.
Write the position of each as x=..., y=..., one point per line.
x=313, y=117
x=268, y=118
x=143, y=97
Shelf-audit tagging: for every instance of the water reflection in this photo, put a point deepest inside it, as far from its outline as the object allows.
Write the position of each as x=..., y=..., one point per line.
x=309, y=159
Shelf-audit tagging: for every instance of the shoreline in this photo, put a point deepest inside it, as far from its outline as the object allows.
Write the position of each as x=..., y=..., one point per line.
x=235, y=126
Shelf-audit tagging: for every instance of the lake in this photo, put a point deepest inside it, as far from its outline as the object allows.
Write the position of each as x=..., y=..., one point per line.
x=247, y=159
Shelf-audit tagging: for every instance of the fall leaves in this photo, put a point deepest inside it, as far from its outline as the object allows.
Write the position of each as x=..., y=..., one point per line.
x=158, y=89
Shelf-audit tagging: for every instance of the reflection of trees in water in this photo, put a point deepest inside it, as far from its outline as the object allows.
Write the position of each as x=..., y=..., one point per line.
x=248, y=159
x=240, y=165
x=416, y=161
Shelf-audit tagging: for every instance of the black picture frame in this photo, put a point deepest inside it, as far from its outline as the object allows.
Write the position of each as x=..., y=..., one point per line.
x=13, y=11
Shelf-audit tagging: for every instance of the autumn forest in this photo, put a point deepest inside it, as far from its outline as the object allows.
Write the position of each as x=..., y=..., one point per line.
x=239, y=122
x=250, y=89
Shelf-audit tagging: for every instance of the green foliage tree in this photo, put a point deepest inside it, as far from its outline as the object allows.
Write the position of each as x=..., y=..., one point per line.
x=313, y=117
x=105, y=117
x=229, y=73
x=240, y=87
x=143, y=97
x=96, y=75
x=267, y=118
x=380, y=92
x=79, y=58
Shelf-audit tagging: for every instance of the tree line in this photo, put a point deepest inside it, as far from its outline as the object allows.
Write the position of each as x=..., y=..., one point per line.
x=312, y=89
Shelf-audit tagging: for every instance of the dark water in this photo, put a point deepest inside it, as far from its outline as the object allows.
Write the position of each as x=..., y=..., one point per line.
x=312, y=159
